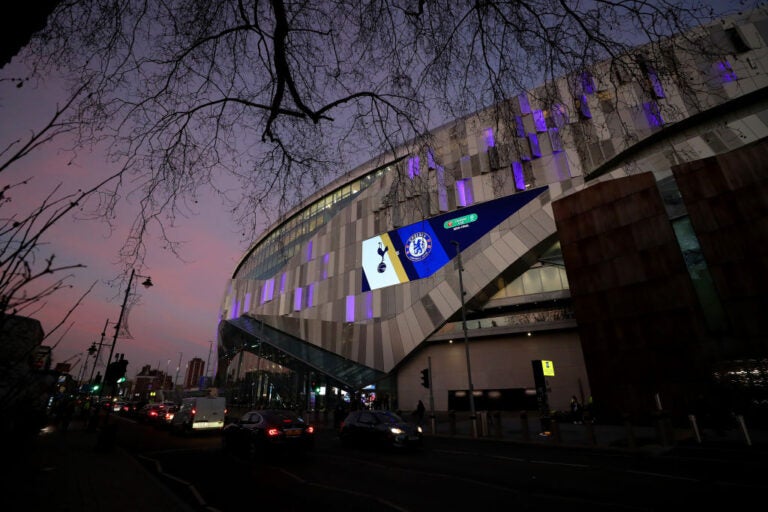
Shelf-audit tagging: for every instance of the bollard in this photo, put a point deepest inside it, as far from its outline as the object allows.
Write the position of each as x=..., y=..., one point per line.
x=695, y=426
x=664, y=431
x=497, y=424
x=482, y=419
x=554, y=428
x=524, y=425
x=590, y=428
x=631, y=443
x=743, y=426
x=452, y=422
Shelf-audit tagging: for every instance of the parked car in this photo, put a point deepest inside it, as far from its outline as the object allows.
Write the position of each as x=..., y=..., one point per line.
x=200, y=414
x=379, y=428
x=268, y=432
x=166, y=416
x=151, y=413
x=133, y=409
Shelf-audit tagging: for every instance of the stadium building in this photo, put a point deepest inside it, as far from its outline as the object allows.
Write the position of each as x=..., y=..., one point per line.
x=603, y=236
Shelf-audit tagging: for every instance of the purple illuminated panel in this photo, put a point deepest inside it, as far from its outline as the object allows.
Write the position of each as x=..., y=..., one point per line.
x=464, y=192
x=297, y=296
x=309, y=250
x=525, y=107
x=653, y=77
x=247, y=305
x=583, y=107
x=413, y=166
x=555, y=140
x=653, y=115
x=268, y=291
x=520, y=126
x=369, y=305
x=235, y=309
x=283, y=278
x=310, y=295
x=725, y=71
x=539, y=122
x=350, y=317
x=519, y=175
x=533, y=141
x=431, y=159
x=326, y=257
x=559, y=115
x=587, y=83
x=489, y=140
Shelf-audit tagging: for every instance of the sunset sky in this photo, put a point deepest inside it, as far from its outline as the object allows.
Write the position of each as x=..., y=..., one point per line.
x=177, y=318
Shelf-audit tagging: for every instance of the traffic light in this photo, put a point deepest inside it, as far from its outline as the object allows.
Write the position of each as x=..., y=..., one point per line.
x=425, y=377
x=115, y=371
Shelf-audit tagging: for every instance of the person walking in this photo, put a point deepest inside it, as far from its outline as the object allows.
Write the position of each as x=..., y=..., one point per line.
x=575, y=410
x=420, y=409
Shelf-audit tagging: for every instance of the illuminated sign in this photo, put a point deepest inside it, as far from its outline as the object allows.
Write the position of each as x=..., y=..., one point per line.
x=419, y=250
x=548, y=368
x=460, y=221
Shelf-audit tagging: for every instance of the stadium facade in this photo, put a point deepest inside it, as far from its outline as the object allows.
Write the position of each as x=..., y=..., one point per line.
x=611, y=227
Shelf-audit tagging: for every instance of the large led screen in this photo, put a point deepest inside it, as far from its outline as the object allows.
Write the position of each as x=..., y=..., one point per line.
x=421, y=249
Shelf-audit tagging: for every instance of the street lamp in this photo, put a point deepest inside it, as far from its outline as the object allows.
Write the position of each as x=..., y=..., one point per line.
x=98, y=352
x=91, y=351
x=146, y=284
x=472, y=415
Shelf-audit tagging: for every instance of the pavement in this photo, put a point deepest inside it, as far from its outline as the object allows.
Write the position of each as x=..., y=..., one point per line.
x=75, y=470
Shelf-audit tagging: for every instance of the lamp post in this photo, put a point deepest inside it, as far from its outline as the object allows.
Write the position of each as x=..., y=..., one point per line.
x=147, y=283
x=472, y=415
x=178, y=369
x=91, y=351
x=98, y=352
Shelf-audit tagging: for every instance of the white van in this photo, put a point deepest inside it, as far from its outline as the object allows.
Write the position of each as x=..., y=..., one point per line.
x=199, y=414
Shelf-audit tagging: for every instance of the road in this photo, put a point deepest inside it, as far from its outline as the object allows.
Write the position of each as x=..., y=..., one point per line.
x=449, y=473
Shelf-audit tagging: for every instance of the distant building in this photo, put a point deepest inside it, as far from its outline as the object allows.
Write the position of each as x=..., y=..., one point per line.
x=26, y=379
x=148, y=382
x=195, y=370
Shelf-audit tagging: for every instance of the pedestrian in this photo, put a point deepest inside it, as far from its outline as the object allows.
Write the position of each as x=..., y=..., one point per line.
x=589, y=410
x=420, y=409
x=575, y=410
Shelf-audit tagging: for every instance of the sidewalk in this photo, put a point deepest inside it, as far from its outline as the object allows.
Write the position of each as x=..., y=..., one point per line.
x=68, y=472
x=512, y=427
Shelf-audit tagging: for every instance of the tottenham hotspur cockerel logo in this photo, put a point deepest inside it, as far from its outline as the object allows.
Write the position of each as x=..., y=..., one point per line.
x=418, y=246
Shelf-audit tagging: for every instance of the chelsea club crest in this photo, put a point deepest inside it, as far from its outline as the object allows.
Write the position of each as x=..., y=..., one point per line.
x=418, y=246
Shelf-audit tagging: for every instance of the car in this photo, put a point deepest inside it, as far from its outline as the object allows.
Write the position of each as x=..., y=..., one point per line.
x=268, y=432
x=151, y=413
x=379, y=429
x=166, y=416
x=118, y=406
x=200, y=414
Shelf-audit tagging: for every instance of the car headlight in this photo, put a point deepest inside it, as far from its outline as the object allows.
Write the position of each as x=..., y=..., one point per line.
x=419, y=430
x=396, y=430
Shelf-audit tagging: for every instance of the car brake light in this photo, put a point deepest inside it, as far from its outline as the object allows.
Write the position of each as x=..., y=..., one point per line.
x=310, y=429
x=194, y=411
x=272, y=432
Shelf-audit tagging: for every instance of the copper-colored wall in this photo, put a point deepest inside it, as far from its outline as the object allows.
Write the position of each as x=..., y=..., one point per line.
x=641, y=323
x=727, y=201
x=637, y=311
